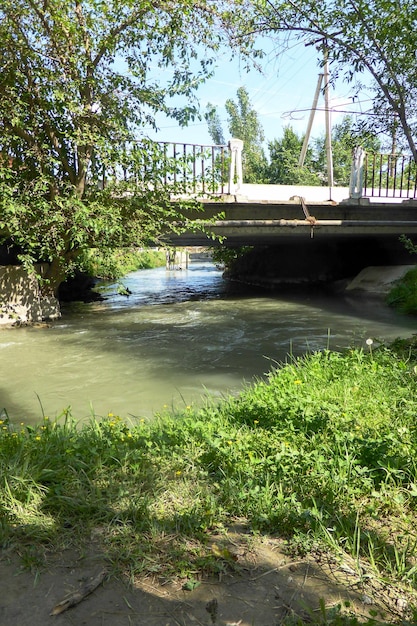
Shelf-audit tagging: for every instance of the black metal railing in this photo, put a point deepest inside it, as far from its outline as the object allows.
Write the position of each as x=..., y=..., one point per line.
x=203, y=168
x=389, y=176
x=182, y=168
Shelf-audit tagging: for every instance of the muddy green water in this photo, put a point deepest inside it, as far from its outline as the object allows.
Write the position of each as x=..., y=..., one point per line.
x=179, y=337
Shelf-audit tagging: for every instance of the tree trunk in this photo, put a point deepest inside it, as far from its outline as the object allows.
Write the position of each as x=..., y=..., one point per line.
x=54, y=275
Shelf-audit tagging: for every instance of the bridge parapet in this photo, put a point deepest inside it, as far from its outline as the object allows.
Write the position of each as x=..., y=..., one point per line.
x=377, y=175
x=204, y=170
x=182, y=168
x=388, y=176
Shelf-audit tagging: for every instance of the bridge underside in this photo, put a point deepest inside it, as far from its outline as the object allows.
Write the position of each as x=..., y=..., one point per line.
x=318, y=260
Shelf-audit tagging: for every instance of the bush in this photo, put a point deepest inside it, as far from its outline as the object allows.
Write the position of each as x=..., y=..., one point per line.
x=404, y=294
x=119, y=262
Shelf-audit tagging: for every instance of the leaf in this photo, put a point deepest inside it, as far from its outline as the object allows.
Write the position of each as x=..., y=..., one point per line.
x=413, y=490
x=190, y=585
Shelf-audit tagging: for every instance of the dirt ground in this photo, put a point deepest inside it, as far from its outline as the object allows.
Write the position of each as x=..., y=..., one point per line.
x=266, y=588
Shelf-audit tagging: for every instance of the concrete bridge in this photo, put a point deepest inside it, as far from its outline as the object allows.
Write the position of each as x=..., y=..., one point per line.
x=299, y=234
x=381, y=201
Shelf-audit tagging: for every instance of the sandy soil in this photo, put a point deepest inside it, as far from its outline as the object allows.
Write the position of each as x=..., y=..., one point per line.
x=267, y=587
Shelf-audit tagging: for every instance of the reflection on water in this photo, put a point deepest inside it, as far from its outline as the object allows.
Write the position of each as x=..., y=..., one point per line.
x=178, y=336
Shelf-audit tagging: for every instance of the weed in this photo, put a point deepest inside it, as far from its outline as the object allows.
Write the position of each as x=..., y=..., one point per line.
x=403, y=294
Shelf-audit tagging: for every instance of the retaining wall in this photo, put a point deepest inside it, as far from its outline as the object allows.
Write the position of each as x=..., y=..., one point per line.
x=21, y=299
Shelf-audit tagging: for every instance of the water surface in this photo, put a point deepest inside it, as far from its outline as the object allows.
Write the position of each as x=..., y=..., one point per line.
x=179, y=336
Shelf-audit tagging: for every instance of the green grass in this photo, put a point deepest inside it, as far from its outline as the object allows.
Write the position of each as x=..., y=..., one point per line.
x=323, y=453
x=403, y=295
x=119, y=262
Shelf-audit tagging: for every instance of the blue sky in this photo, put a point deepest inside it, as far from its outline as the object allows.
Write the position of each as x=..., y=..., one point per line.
x=282, y=95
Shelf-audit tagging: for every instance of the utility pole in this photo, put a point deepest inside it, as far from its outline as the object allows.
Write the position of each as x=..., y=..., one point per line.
x=328, y=125
x=329, y=154
x=310, y=122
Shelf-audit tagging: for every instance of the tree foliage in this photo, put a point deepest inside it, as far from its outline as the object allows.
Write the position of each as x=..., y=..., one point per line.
x=346, y=136
x=377, y=38
x=284, y=154
x=80, y=81
x=243, y=123
x=214, y=124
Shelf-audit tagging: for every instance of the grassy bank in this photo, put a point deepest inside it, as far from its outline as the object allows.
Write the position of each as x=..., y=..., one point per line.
x=323, y=453
x=119, y=262
x=403, y=295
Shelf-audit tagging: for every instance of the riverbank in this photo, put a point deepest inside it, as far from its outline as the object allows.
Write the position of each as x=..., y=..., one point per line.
x=23, y=303
x=314, y=466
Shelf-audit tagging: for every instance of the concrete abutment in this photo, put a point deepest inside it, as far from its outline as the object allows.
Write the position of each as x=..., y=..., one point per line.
x=21, y=298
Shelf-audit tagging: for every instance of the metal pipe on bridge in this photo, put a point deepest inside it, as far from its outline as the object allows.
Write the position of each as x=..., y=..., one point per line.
x=297, y=222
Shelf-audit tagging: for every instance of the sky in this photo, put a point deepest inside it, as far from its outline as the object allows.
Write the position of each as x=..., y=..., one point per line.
x=282, y=95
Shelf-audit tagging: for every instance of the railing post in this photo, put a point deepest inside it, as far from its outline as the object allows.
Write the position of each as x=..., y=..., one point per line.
x=356, y=175
x=236, y=172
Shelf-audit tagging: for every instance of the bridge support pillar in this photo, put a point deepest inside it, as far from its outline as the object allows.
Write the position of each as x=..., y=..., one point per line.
x=177, y=259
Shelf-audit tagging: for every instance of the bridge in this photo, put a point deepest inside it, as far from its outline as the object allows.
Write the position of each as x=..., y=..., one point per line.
x=381, y=199
x=300, y=234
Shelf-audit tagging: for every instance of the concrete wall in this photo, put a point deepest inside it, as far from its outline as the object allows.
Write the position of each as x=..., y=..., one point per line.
x=379, y=280
x=283, y=193
x=21, y=300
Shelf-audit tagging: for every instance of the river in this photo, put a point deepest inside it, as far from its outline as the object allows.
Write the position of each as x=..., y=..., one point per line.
x=179, y=336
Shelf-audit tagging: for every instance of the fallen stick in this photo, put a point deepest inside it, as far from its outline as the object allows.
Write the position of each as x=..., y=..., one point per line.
x=78, y=596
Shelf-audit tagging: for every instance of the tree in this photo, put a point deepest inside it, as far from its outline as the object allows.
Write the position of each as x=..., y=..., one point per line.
x=285, y=152
x=346, y=136
x=377, y=37
x=78, y=90
x=243, y=123
x=214, y=124
x=284, y=156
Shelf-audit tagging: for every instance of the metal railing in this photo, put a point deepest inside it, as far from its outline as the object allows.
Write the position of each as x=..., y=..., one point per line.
x=202, y=168
x=389, y=176
x=377, y=175
x=182, y=168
